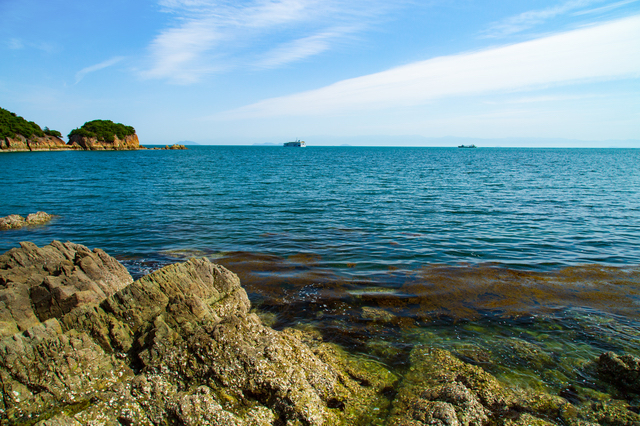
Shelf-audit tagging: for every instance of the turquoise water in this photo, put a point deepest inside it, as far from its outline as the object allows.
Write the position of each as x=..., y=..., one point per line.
x=377, y=207
x=378, y=248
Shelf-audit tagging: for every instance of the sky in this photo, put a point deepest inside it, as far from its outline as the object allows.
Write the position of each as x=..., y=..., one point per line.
x=361, y=72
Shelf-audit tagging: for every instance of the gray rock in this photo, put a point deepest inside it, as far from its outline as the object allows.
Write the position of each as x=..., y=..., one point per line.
x=41, y=283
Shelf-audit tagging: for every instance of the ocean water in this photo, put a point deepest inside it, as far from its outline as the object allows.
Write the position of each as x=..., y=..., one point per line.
x=378, y=249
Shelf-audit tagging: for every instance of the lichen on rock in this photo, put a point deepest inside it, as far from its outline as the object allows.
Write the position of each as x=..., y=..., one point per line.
x=178, y=346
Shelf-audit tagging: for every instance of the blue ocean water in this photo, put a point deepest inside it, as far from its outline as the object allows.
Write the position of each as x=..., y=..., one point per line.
x=405, y=207
x=378, y=248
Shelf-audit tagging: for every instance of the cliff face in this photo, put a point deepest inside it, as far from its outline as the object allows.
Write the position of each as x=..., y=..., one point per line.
x=51, y=143
x=93, y=144
x=46, y=143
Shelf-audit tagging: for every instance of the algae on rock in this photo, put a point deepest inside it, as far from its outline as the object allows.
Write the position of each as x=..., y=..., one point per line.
x=178, y=346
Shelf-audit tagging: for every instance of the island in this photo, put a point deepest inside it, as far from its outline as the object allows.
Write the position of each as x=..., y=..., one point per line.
x=104, y=135
x=20, y=135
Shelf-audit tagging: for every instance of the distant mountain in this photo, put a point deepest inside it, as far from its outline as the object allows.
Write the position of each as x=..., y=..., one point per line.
x=265, y=144
x=187, y=143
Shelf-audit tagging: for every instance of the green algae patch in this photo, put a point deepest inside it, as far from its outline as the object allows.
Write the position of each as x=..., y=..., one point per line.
x=440, y=388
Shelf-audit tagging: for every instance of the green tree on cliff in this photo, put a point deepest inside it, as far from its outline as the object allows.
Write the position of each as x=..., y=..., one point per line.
x=103, y=130
x=50, y=132
x=12, y=125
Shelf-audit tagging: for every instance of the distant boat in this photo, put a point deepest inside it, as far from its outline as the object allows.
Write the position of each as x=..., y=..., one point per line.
x=297, y=143
x=466, y=146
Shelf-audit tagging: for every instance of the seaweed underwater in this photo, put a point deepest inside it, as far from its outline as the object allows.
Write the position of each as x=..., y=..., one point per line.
x=536, y=330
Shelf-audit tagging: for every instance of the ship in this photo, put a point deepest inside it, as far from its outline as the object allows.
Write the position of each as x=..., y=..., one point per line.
x=297, y=143
x=466, y=146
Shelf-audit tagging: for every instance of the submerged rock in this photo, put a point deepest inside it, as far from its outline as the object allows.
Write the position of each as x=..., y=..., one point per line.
x=621, y=371
x=178, y=346
x=440, y=389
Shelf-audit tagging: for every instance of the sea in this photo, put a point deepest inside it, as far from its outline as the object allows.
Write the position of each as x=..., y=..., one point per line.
x=524, y=261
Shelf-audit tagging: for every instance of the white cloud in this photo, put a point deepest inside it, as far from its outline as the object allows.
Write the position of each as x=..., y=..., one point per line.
x=544, y=98
x=601, y=52
x=211, y=35
x=532, y=18
x=80, y=74
x=302, y=48
x=605, y=8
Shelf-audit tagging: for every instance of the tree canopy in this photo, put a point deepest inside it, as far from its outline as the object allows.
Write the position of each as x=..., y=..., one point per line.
x=12, y=125
x=103, y=130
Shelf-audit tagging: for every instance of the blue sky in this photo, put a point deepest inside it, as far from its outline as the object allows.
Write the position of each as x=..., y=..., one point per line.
x=536, y=72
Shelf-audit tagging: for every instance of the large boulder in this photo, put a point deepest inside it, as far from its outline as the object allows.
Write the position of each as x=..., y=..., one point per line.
x=41, y=283
x=178, y=346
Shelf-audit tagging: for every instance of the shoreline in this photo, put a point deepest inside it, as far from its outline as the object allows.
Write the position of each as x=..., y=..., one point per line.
x=73, y=148
x=523, y=365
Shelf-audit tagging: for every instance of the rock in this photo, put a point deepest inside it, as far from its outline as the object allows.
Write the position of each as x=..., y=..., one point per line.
x=130, y=142
x=377, y=314
x=178, y=346
x=35, y=143
x=41, y=283
x=15, y=221
x=12, y=221
x=175, y=146
x=38, y=218
x=621, y=371
x=440, y=389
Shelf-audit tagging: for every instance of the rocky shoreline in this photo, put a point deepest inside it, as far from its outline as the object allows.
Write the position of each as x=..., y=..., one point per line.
x=85, y=344
x=51, y=143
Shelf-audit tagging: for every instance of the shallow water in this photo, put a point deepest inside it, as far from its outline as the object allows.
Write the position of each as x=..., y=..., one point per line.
x=523, y=261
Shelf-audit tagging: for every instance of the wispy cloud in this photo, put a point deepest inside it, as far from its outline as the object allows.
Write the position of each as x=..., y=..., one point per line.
x=532, y=18
x=544, y=99
x=214, y=35
x=601, y=52
x=302, y=48
x=97, y=67
x=18, y=44
x=606, y=8
x=15, y=44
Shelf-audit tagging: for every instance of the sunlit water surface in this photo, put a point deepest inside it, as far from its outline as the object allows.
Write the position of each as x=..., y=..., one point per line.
x=489, y=253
